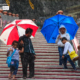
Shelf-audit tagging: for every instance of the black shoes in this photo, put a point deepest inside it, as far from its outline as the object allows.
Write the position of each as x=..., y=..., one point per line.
x=31, y=77
x=24, y=77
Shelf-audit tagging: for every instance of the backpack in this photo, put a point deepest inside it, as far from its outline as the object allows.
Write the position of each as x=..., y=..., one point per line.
x=8, y=61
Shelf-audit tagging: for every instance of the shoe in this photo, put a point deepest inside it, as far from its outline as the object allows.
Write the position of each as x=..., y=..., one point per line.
x=31, y=77
x=74, y=69
x=65, y=68
x=24, y=77
x=14, y=79
x=60, y=64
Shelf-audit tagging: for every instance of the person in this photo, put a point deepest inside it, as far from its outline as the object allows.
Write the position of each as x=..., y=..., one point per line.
x=14, y=16
x=59, y=12
x=1, y=13
x=17, y=16
x=15, y=59
x=0, y=22
x=79, y=55
x=29, y=54
x=10, y=19
x=62, y=31
x=70, y=55
x=5, y=18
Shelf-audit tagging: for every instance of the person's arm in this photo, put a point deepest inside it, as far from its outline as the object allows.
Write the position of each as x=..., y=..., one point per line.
x=68, y=37
x=65, y=49
x=9, y=51
x=58, y=37
x=22, y=50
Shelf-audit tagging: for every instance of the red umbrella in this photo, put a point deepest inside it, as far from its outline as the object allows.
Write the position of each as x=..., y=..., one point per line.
x=16, y=29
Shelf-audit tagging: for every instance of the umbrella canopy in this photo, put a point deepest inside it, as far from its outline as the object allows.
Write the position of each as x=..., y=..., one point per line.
x=50, y=29
x=16, y=29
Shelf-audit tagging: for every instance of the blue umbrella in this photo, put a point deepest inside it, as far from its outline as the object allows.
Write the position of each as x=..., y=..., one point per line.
x=50, y=29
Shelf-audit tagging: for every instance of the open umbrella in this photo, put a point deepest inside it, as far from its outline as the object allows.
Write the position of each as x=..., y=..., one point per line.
x=50, y=29
x=16, y=29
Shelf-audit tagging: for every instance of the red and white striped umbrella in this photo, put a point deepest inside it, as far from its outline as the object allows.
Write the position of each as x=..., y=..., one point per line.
x=16, y=29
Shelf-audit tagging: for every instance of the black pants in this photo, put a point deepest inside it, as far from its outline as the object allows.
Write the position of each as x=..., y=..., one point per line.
x=26, y=59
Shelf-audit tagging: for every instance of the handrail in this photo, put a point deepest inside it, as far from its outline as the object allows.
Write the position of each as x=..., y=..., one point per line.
x=75, y=44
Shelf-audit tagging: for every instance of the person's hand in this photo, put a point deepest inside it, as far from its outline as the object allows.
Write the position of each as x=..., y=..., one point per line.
x=59, y=37
x=62, y=57
x=34, y=57
x=11, y=49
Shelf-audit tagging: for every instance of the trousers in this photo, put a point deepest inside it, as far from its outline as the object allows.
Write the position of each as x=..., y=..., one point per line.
x=27, y=58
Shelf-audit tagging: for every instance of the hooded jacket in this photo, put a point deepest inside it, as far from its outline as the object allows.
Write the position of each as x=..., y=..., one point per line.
x=58, y=41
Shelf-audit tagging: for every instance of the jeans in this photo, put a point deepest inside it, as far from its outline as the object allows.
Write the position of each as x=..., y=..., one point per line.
x=60, y=49
x=67, y=57
x=14, y=67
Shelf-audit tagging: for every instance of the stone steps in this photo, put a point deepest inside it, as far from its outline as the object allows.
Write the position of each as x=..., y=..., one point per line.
x=46, y=63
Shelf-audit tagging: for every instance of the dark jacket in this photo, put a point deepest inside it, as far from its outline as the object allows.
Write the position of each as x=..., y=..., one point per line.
x=28, y=47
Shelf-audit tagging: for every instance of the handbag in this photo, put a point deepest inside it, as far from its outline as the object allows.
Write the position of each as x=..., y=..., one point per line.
x=73, y=56
x=9, y=58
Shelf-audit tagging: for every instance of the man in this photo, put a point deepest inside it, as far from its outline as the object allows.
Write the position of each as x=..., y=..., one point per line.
x=28, y=56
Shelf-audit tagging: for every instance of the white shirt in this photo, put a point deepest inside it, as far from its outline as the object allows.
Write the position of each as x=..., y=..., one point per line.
x=67, y=47
x=59, y=42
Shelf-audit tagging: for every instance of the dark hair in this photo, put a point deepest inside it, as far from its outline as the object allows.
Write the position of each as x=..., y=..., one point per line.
x=64, y=38
x=14, y=42
x=28, y=30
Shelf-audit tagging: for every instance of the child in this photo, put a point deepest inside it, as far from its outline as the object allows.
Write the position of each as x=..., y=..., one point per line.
x=70, y=55
x=62, y=31
x=15, y=59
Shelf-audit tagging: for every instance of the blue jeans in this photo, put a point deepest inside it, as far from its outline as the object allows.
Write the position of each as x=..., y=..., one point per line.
x=14, y=66
x=60, y=49
x=67, y=57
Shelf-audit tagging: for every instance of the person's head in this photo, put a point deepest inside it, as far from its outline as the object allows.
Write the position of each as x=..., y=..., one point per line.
x=60, y=12
x=1, y=11
x=17, y=15
x=10, y=14
x=5, y=12
x=15, y=44
x=79, y=47
x=62, y=29
x=64, y=40
x=13, y=15
x=28, y=32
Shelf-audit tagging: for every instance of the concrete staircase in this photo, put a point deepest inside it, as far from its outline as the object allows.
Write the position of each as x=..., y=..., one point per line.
x=46, y=63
